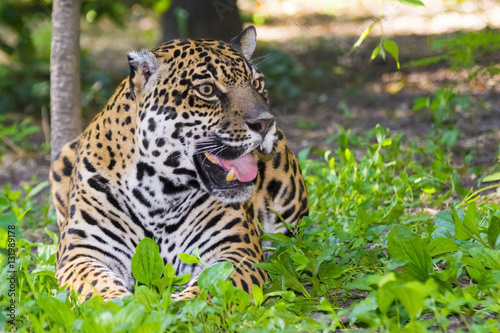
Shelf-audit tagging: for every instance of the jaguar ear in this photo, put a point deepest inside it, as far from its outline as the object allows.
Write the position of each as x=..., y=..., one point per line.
x=142, y=64
x=246, y=41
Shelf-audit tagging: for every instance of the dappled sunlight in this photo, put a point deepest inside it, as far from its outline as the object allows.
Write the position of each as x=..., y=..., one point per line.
x=425, y=82
x=288, y=19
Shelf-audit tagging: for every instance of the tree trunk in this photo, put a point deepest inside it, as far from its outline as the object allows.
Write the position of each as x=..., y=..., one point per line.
x=217, y=19
x=65, y=73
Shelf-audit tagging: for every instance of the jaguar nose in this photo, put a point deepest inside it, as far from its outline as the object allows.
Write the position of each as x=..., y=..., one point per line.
x=260, y=126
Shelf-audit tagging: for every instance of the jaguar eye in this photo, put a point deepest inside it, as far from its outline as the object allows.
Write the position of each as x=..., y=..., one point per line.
x=256, y=84
x=206, y=89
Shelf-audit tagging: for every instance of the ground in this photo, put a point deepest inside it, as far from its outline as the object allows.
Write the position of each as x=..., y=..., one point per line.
x=337, y=88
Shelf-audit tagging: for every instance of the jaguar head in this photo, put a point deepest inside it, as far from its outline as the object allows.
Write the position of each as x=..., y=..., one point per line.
x=203, y=112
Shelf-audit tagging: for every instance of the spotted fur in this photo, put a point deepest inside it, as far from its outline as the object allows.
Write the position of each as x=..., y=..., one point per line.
x=138, y=170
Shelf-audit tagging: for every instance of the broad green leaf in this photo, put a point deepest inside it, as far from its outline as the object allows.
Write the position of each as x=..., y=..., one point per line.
x=474, y=262
x=277, y=237
x=152, y=323
x=461, y=232
x=115, y=305
x=420, y=103
x=324, y=305
x=385, y=297
x=428, y=188
x=300, y=259
x=363, y=219
x=273, y=267
x=493, y=231
x=363, y=308
x=4, y=202
x=490, y=258
x=476, y=274
x=168, y=270
x=387, y=142
x=445, y=224
x=348, y=155
x=146, y=297
x=218, y=272
x=183, y=279
x=358, y=243
x=194, y=307
x=7, y=220
x=470, y=219
x=331, y=163
x=162, y=283
x=47, y=253
x=379, y=133
x=415, y=326
x=449, y=138
x=304, y=153
x=381, y=280
x=188, y=259
x=14, y=195
x=257, y=294
x=286, y=274
x=292, y=282
x=288, y=296
x=413, y=2
x=129, y=317
x=403, y=244
x=59, y=312
x=95, y=303
x=392, y=48
x=413, y=294
x=329, y=269
x=492, y=178
x=52, y=235
x=441, y=245
x=147, y=264
x=411, y=298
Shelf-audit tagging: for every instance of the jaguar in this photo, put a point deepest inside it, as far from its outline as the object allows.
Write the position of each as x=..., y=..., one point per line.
x=186, y=152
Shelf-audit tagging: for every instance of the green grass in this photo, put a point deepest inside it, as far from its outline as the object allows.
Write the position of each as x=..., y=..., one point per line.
x=369, y=256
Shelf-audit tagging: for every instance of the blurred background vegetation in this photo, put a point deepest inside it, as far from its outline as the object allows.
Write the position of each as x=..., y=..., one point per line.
x=447, y=83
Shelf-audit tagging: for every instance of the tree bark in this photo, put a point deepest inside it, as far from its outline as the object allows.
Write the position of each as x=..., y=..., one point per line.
x=65, y=74
x=217, y=19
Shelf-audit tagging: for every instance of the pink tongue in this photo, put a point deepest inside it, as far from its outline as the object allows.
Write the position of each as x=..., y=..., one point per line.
x=244, y=167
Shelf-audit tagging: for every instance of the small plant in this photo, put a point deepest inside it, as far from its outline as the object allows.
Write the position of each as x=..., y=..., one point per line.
x=385, y=44
x=463, y=52
x=26, y=207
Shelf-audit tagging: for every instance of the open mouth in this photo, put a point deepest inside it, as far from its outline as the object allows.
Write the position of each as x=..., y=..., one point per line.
x=220, y=173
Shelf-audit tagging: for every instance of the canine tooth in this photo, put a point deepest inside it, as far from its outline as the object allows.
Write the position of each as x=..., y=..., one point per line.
x=211, y=158
x=230, y=175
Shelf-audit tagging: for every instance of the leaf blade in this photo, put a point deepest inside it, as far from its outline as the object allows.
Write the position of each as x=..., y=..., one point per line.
x=147, y=264
x=391, y=47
